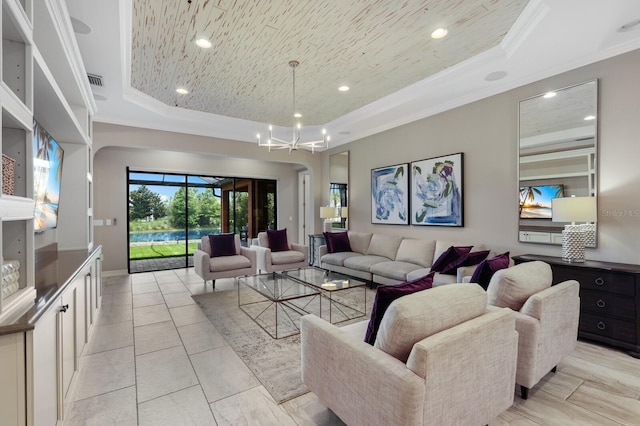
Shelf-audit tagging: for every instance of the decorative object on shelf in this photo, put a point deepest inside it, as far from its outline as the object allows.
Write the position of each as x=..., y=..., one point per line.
x=574, y=209
x=327, y=213
x=436, y=191
x=295, y=143
x=390, y=195
x=8, y=175
x=344, y=214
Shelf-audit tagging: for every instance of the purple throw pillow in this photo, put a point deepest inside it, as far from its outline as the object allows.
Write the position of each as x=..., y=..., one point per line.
x=387, y=294
x=449, y=258
x=278, y=240
x=485, y=270
x=222, y=245
x=470, y=259
x=337, y=241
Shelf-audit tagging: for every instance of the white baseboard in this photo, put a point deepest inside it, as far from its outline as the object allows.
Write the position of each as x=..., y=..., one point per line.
x=115, y=273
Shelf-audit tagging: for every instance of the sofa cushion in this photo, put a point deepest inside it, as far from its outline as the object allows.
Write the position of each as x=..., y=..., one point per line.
x=359, y=241
x=228, y=263
x=450, y=257
x=284, y=257
x=363, y=263
x=485, y=270
x=385, y=295
x=419, y=315
x=510, y=288
x=471, y=258
x=394, y=269
x=278, y=240
x=222, y=245
x=337, y=241
x=384, y=245
x=416, y=251
x=338, y=258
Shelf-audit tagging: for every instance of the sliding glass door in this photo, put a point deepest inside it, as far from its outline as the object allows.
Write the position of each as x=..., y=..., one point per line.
x=169, y=214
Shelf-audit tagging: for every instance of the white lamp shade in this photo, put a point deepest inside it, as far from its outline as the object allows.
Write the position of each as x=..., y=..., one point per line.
x=327, y=212
x=574, y=209
x=344, y=212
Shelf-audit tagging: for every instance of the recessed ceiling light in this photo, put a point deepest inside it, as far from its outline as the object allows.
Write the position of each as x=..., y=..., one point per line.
x=590, y=117
x=182, y=91
x=343, y=88
x=629, y=25
x=439, y=33
x=203, y=42
x=496, y=75
x=297, y=115
x=549, y=95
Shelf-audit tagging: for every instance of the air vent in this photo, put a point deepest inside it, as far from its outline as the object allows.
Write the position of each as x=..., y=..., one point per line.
x=95, y=80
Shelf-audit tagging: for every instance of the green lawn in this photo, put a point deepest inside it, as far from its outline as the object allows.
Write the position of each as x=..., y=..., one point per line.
x=159, y=250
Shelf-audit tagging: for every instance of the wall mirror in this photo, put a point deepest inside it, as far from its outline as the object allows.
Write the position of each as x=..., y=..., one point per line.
x=557, y=157
x=339, y=188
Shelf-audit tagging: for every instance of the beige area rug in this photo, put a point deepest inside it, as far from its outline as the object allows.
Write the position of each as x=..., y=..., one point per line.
x=275, y=362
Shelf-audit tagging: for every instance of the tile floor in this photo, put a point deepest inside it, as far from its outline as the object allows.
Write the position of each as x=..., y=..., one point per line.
x=155, y=359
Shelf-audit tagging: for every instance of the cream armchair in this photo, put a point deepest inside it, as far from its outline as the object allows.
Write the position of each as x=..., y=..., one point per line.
x=212, y=268
x=546, y=317
x=439, y=358
x=271, y=261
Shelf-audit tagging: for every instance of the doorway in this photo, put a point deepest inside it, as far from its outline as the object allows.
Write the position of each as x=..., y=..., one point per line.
x=169, y=213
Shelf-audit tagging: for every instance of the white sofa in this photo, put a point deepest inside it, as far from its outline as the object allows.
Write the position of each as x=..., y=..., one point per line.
x=390, y=259
x=440, y=358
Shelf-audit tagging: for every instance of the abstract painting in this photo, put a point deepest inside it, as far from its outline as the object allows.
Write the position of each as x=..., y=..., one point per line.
x=436, y=191
x=390, y=195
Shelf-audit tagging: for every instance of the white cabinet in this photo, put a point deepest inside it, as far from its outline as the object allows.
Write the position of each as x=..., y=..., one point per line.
x=12, y=379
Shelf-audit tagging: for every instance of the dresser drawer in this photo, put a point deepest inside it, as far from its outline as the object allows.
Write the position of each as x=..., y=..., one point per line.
x=608, y=327
x=610, y=282
x=601, y=303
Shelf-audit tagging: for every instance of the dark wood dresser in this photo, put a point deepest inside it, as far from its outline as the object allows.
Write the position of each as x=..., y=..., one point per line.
x=609, y=299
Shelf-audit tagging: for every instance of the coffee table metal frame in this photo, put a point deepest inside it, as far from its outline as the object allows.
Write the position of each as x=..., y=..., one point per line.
x=329, y=284
x=279, y=291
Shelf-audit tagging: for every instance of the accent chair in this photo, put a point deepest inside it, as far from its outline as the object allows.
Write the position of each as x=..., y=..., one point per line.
x=237, y=262
x=546, y=317
x=289, y=256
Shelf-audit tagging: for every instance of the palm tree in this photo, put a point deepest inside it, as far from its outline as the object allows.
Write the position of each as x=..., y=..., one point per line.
x=528, y=194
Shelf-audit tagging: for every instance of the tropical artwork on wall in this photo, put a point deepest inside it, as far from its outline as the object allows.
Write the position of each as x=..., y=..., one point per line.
x=390, y=195
x=436, y=191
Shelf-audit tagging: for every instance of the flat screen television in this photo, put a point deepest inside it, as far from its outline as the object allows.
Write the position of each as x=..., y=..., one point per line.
x=47, y=177
x=535, y=201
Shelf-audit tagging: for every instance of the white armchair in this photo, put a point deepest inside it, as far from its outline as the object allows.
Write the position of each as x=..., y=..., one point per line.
x=439, y=358
x=212, y=268
x=546, y=317
x=271, y=261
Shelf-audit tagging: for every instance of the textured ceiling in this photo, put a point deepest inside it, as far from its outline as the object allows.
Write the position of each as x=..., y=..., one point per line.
x=376, y=47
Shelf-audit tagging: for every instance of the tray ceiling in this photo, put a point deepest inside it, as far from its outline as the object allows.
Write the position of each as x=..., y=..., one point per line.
x=374, y=47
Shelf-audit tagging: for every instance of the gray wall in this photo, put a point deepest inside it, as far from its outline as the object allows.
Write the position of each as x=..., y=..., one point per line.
x=486, y=132
x=119, y=147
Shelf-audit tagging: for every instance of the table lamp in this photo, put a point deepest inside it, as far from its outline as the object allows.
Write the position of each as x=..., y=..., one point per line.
x=344, y=213
x=327, y=213
x=573, y=209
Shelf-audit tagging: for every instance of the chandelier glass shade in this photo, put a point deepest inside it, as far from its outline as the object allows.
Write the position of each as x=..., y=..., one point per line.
x=295, y=143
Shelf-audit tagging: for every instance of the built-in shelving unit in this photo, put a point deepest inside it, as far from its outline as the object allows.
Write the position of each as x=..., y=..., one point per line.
x=42, y=78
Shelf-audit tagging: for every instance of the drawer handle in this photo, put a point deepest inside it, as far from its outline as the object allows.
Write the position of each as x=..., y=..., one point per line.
x=64, y=308
x=601, y=325
x=600, y=281
x=600, y=303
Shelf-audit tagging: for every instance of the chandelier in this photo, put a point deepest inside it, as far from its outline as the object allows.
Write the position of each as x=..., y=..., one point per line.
x=295, y=143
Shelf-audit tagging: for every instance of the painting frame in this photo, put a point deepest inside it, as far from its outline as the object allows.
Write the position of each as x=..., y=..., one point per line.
x=390, y=195
x=437, y=196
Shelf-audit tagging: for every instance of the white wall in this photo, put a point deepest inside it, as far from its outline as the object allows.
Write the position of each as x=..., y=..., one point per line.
x=119, y=147
x=486, y=132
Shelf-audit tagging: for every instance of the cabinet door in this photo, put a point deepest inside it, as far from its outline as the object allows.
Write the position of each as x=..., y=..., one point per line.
x=12, y=379
x=68, y=337
x=45, y=401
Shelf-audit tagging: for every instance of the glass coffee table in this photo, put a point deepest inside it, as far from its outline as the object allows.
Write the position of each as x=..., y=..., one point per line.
x=276, y=302
x=347, y=296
